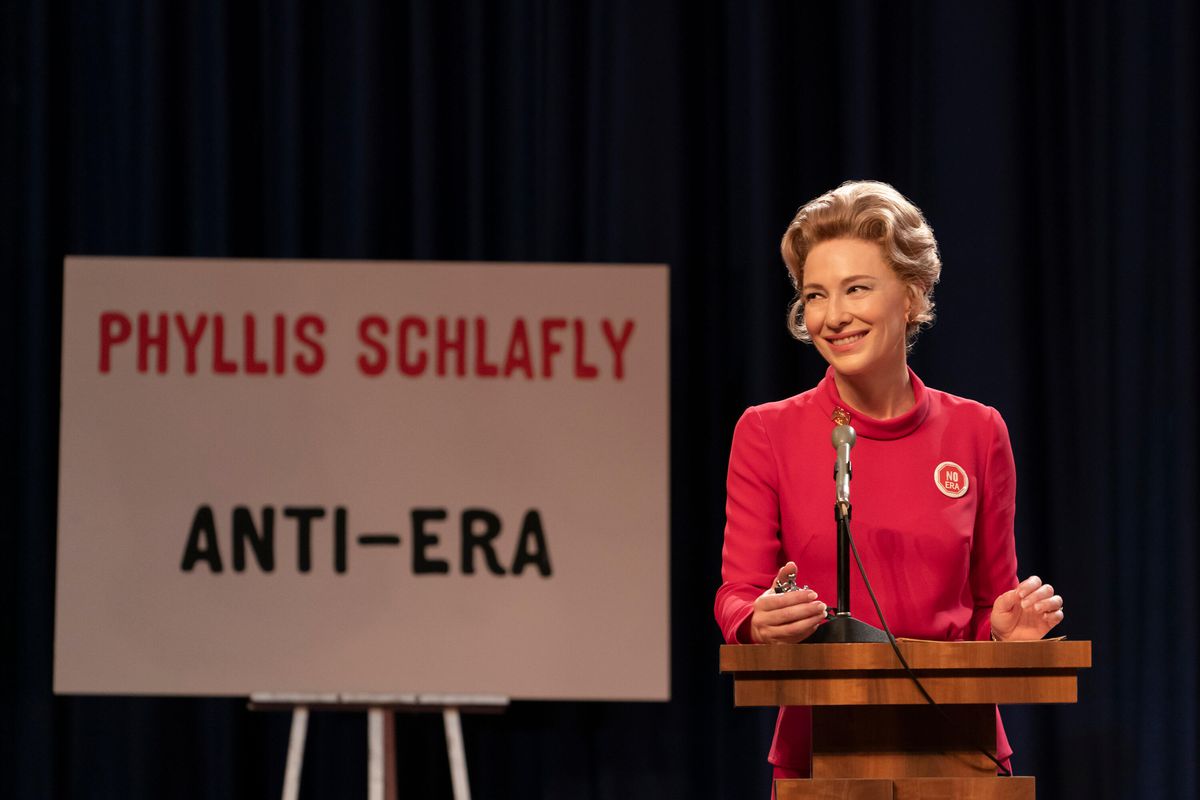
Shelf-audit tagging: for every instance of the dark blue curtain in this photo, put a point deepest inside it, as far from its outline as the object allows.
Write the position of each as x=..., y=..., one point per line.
x=1051, y=144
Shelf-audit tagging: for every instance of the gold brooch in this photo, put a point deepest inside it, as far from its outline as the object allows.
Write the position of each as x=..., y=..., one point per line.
x=841, y=416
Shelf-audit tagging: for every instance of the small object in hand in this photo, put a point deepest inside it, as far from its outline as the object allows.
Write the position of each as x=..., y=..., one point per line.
x=788, y=585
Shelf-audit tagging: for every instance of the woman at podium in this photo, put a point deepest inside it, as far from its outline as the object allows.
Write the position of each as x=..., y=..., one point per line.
x=934, y=482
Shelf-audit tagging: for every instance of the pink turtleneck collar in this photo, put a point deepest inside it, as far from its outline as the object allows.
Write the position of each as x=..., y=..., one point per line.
x=893, y=428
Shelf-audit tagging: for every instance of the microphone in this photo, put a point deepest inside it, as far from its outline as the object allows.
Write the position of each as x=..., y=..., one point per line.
x=843, y=440
x=842, y=626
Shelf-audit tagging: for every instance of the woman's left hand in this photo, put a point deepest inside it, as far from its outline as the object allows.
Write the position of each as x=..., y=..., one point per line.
x=1027, y=612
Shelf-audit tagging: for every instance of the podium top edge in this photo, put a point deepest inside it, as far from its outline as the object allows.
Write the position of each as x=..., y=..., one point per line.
x=921, y=655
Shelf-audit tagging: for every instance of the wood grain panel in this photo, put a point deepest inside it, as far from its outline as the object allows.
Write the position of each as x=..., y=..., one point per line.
x=919, y=654
x=898, y=689
x=794, y=789
x=1016, y=788
x=903, y=741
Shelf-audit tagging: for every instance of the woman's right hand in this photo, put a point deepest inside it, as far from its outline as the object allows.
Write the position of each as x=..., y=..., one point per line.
x=785, y=618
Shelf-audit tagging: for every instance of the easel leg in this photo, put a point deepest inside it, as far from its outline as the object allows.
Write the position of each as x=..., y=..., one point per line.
x=295, y=756
x=381, y=754
x=389, y=756
x=457, y=754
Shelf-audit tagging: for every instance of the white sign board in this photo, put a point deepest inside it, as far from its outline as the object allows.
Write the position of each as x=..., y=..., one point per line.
x=363, y=477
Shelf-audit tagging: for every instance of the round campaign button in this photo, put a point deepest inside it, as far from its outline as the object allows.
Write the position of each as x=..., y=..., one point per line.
x=951, y=479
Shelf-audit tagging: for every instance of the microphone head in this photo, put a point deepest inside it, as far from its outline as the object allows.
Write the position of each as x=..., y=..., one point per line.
x=843, y=435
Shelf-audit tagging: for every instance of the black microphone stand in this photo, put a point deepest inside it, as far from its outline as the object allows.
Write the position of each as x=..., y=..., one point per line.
x=840, y=626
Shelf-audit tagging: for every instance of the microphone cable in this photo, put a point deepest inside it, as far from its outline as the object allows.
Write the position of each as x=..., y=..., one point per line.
x=1004, y=771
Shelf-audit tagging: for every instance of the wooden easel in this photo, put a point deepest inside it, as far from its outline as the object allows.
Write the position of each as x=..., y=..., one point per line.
x=381, y=732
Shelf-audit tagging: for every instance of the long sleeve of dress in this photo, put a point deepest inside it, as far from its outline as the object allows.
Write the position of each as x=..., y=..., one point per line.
x=751, y=554
x=993, y=551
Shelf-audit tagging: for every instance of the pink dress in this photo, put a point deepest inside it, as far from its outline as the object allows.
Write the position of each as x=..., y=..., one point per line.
x=938, y=552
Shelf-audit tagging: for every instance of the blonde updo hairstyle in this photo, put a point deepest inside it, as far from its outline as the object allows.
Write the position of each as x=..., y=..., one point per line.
x=872, y=212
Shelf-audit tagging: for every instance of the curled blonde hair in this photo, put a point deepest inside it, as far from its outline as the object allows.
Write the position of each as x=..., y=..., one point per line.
x=873, y=212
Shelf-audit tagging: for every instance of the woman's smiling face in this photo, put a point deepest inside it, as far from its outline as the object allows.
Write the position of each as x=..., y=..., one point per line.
x=855, y=308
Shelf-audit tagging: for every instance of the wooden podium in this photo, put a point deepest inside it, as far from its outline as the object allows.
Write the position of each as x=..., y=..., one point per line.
x=874, y=735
